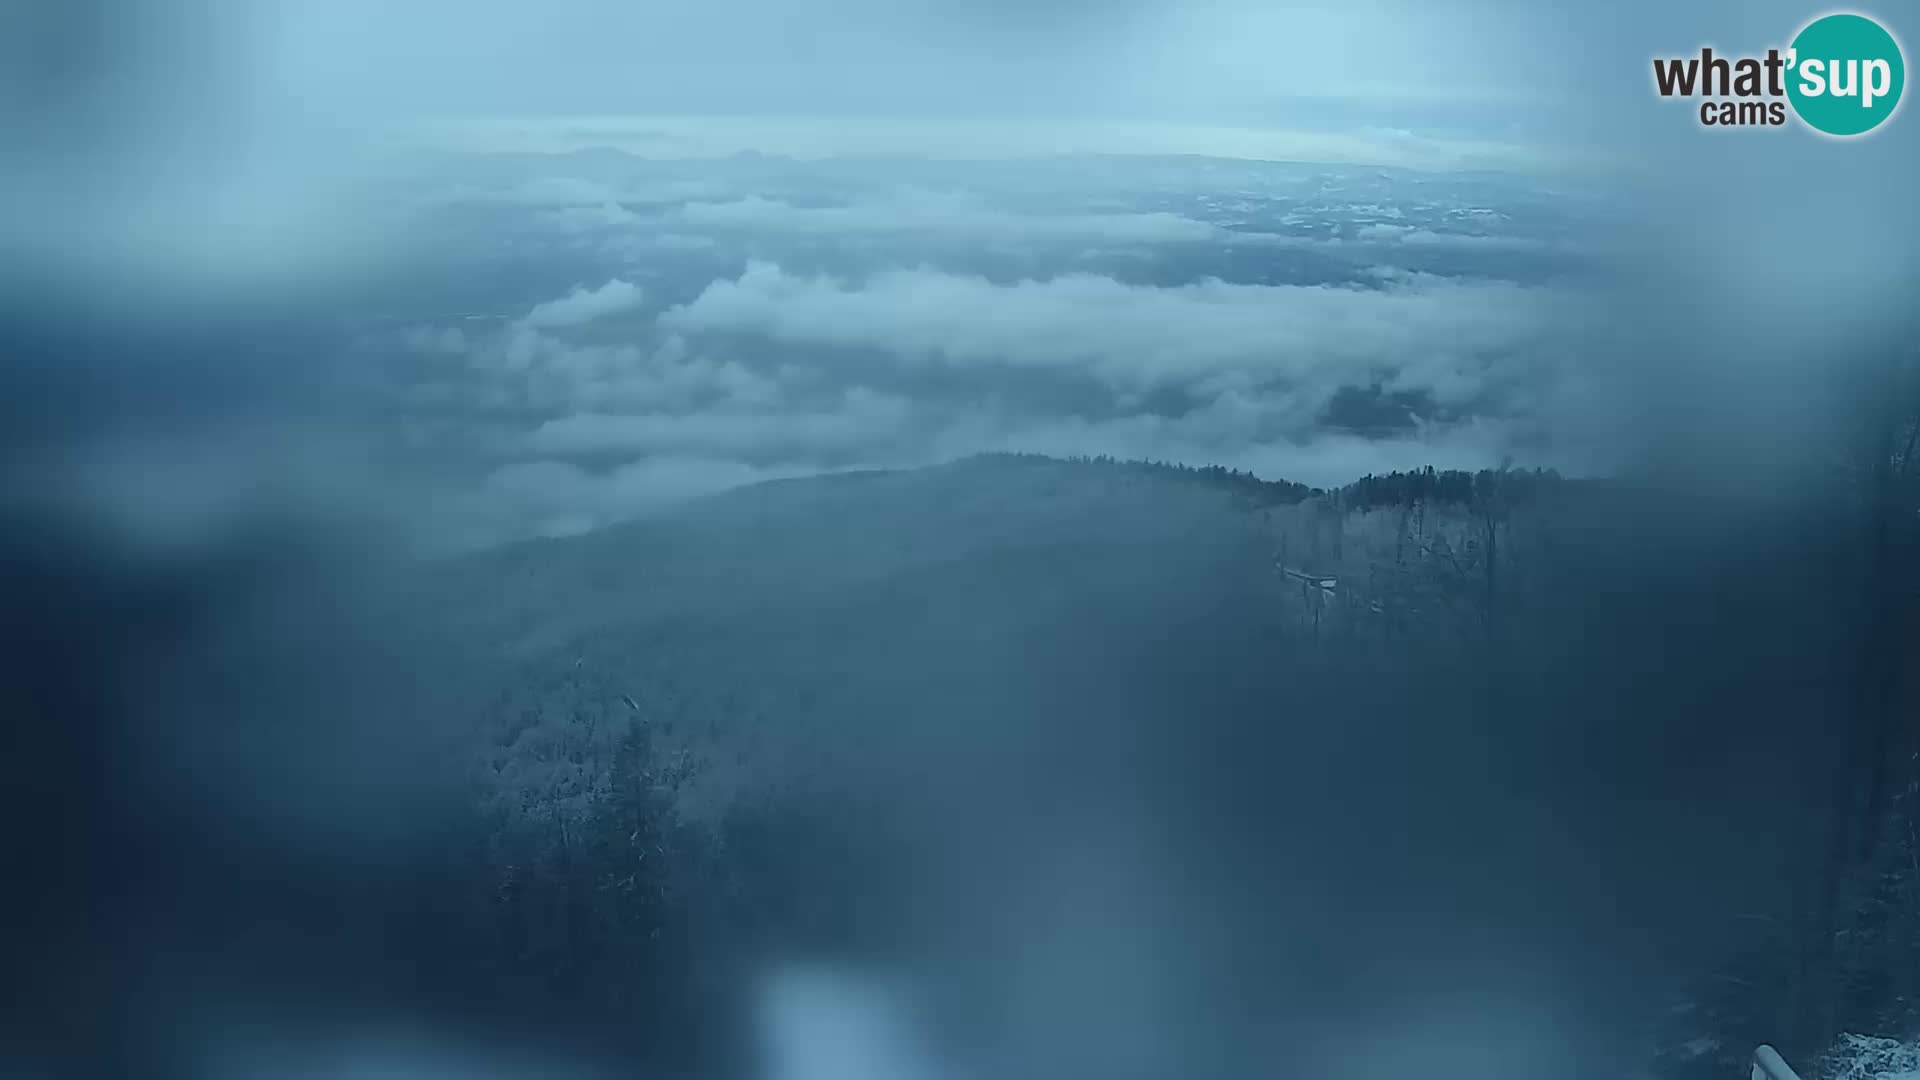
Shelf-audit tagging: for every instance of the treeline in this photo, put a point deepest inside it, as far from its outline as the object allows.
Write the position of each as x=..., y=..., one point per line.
x=1511, y=487
x=1240, y=483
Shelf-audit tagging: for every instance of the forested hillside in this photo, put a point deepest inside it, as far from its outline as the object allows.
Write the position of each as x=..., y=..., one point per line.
x=829, y=717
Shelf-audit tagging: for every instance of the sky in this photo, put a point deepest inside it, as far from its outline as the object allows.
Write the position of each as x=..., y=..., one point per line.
x=1211, y=62
x=543, y=267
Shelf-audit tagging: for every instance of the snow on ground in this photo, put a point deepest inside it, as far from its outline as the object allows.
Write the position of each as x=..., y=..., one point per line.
x=1868, y=1057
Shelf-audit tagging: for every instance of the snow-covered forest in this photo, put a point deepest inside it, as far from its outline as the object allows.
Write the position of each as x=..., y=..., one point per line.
x=1497, y=703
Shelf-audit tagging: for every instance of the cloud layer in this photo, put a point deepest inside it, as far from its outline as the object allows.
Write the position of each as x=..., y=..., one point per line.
x=1419, y=333
x=762, y=317
x=937, y=212
x=583, y=306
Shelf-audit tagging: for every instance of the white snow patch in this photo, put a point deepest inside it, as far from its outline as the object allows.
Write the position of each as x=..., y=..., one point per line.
x=1869, y=1057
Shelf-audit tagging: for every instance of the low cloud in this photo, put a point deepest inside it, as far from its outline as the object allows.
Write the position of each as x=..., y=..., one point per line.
x=667, y=460
x=437, y=341
x=583, y=305
x=553, y=190
x=1449, y=337
x=557, y=498
x=1315, y=355
x=589, y=217
x=1229, y=432
x=715, y=138
x=1413, y=236
x=541, y=370
x=948, y=212
x=862, y=419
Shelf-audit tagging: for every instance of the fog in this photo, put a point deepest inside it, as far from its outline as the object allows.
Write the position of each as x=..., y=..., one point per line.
x=782, y=540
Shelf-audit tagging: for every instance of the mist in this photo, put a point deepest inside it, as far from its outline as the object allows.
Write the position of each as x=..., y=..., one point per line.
x=945, y=540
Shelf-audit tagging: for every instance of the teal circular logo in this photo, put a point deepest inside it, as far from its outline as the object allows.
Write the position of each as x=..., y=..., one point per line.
x=1845, y=74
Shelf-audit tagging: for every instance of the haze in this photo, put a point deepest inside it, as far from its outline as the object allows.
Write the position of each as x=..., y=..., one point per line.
x=839, y=539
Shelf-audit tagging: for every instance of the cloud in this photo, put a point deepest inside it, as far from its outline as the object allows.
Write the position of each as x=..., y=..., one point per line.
x=668, y=459
x=557, y=498
x=922, y=211
x=862, y=419
x=550, y=189
x=543, y=371
x=668, y=241
x=544, y=191
x=592, y=216
x=1426, y=333
x=1414, y=236
x=584, y=305
x=1233, y=431
x=437, y=341
x=888, y=362
x=850, y=134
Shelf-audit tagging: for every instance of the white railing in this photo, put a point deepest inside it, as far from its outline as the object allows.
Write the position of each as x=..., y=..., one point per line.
x=1769, y=1065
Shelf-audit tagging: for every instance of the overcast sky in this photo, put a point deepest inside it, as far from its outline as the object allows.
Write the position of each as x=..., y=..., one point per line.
x=1216, y=61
